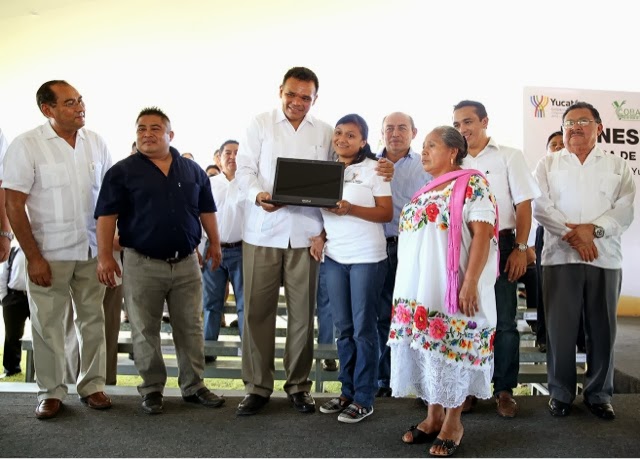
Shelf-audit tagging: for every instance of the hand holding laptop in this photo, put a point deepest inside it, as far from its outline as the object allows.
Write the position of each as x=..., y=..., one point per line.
x=261, y=197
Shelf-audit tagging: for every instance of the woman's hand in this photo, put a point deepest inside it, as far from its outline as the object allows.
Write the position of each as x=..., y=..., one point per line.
x=468, y=298
x=317, y=247
x=344, y=207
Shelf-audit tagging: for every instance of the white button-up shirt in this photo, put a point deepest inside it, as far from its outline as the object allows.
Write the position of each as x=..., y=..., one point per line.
x=509, y=179
x=3, y=149
x=230, y=213
x=269, y=136
x=63, y=184
x=601, y=191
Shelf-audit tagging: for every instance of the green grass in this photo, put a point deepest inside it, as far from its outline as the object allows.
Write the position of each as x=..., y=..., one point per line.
x=332, y=387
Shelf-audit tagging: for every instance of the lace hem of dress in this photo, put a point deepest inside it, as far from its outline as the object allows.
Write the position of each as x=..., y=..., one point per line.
x=435, y=379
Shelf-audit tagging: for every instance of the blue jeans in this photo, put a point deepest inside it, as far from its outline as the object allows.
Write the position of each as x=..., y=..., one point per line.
x=384, y=315
x=214, y=284
x=507, y=340
x=355, y=293
x=326, y=333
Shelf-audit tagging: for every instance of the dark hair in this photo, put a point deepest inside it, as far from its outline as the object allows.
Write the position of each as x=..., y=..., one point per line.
x=365, y=152
x=134, y=144
x=45, y=95
x=481, y=111
x=302, y=74
x=154, y=111
x=212, y=166
x=588, y=106
x=225, y=143
x=553, y=134
x=453, y=139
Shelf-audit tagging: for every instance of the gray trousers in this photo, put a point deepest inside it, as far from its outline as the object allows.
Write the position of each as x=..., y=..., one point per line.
x=262, y=269
x=147, y=284
x=568, y=291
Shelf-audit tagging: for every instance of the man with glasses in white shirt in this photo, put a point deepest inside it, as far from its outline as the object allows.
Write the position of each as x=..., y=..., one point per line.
x=55, y=172
x=513, y=187
x=586, y=204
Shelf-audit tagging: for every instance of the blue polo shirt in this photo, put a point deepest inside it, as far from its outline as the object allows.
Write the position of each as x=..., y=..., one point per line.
x=158, y=215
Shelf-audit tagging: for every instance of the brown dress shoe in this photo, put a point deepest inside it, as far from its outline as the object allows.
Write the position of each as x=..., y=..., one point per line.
x=48, y=408
x=506, y=406
x=469, y=403
x=97, y=401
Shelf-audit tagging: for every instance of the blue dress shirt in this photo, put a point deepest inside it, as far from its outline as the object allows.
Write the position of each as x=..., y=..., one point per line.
x=408, y=177
x=158, y=215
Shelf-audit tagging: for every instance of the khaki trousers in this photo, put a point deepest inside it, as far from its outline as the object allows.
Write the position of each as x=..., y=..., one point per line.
x=147, y=284
x=264, y=268
x=48, y=306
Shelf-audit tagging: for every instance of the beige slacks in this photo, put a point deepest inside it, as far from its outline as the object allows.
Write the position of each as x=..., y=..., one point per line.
x=48, y=306
x=263, y=270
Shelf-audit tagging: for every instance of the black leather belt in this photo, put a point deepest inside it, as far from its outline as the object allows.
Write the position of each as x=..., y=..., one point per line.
x=506, y=232
x=174, y=260
x=230, y=245
x=392, y=240
x=23, y=292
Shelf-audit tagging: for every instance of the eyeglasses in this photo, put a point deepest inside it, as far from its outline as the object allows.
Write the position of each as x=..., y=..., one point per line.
x=581, y=122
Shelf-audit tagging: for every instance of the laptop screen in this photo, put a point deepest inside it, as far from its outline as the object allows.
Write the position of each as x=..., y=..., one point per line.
x=308, y=182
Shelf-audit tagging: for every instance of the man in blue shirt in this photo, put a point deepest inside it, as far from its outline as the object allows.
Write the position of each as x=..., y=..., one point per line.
x=398, y=130
x=160, y=201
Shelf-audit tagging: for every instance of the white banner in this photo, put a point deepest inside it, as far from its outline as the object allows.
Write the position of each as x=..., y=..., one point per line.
x=620, y=113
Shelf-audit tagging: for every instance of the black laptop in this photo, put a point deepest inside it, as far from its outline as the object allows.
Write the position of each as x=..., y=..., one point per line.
x=306, y=182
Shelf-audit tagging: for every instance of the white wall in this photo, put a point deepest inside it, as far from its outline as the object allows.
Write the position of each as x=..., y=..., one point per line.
x=212, y=64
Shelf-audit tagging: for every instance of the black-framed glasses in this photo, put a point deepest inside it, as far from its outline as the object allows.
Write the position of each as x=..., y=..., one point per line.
x=582, y=122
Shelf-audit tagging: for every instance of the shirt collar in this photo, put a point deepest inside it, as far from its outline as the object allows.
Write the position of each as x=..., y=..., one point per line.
x=50, y=133
x=410, y=154
x=281, y=117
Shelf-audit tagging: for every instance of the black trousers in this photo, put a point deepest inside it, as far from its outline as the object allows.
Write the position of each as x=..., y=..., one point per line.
x=15, y=311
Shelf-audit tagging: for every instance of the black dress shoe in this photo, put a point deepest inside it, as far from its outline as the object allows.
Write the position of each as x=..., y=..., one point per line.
x=152, y=403
x=303, y=402
x=384, y=392
x=210, y=358
x=205, y=398
x=602, y=410
x=251, y=404
x=558, y=408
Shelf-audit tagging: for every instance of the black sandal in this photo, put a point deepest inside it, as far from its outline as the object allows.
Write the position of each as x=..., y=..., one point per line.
x=419, y=436
x=450, y=447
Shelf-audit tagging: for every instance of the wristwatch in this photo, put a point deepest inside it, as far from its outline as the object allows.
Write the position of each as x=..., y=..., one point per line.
x=598, y=231
x=521, y=247
x=7, y=234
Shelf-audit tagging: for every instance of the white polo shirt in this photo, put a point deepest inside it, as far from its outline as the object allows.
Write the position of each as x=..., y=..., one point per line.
x=230, y=213
x=351, y=239
x=509, y=179
x=62, y=184
x=269, y=136
x=600, y=191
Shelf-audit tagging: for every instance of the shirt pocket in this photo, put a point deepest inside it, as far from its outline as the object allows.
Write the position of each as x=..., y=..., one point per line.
x=54, y=175
x=558, y=184
x=609, y=185
x=96, y=174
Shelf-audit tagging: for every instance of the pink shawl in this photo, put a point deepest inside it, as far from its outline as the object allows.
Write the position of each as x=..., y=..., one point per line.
x=456, y=203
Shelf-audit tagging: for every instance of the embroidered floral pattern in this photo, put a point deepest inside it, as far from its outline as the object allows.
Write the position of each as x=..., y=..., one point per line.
x=451, y=337
x=433, y=207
